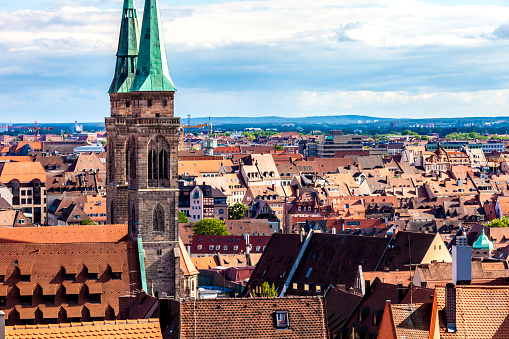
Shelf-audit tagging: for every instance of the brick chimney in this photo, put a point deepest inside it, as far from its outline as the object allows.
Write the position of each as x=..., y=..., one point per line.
x=450, y=307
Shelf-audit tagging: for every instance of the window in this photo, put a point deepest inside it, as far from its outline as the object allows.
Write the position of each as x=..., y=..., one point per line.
x=295, y=285
x=198, y=247
x=218, y=247
x=95, y=298
x=149, y=103
x=282, y=319
x=306, y=287
x=159, y=218
x=25, y=277
x=235, y=247
x=48, y=299
x=257, y=248
x=211, y=247
x=116, y=275
x=26, y=300
x=70, y=277
x=2, y=278
x=3, y=301
x=159, y=252
x=225, y=247
x=318, y=288
x=72, y=299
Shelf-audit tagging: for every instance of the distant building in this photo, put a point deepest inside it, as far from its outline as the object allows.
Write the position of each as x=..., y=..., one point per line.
x=336, y=141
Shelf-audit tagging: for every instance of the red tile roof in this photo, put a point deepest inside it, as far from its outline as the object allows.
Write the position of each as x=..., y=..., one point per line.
x=140, y=329
x=64, y=234
x=253, y=318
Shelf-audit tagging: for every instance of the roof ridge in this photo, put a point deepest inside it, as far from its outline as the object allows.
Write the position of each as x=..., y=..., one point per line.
x=84, y=323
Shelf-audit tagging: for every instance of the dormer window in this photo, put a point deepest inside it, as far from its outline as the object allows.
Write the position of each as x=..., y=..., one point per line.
x=282, y=320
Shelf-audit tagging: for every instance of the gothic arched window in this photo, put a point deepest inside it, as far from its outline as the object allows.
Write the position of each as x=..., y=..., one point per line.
x=158, y=162
x=158, y=219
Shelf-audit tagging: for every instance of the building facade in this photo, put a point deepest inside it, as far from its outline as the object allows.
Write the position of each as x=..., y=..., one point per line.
x=142, y=188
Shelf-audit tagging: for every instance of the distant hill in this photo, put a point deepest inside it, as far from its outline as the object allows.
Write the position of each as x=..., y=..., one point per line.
x=336, y=119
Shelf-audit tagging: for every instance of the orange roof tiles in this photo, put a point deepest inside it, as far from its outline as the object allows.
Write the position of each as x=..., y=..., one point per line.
x=481, y=312
x=22, y=171
x=18, y=158
x=129, y=329
x=64, y=234
x=253, y=318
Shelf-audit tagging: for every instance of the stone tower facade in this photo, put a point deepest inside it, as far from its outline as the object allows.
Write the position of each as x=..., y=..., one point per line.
x=142, y=132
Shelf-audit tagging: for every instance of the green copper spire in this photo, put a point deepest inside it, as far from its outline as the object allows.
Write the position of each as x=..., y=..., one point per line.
x=127, y=53
x=152, y=72
x=483, y=243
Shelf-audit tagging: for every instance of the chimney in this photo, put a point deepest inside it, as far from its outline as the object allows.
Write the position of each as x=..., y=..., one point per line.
x=189, y=250
x=394, y=190
x=367, y=285
x=401, y=292
x=450, y=307
x=461, y=261
x=2, y=325
x=402, y=190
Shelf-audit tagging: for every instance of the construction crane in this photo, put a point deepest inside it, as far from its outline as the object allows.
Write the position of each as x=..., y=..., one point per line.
x=181, y=138
x=34, y=128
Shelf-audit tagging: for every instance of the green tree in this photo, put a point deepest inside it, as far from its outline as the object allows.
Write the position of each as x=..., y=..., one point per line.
x=210, y=227
x=183, y=218
x=279, y=148
x=87, y=221
x=267, y=291
x=424, y=137
x=237, y=211
x=504, y=222
x=104, y=142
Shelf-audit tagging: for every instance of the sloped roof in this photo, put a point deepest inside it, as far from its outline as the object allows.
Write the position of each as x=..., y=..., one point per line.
x=22, y=171
x=186, y=264
x=142, y=328
x=411, y=320
x=64, y=234
x=253, y=318
x=481, y=312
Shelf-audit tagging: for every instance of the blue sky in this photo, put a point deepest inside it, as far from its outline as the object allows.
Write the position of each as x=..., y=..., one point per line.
x=390, y=58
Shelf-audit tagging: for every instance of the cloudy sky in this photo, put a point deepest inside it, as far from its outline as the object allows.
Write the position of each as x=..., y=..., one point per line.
x=391, y=58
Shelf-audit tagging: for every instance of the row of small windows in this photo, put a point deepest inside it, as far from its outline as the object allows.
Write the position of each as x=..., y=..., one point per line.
x=225, y=248
x=149, y=103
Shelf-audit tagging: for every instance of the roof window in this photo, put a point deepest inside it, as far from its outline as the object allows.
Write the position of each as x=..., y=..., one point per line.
x=282, y=320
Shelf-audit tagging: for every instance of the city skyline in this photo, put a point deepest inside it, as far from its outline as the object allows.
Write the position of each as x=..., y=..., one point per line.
x=376, y=58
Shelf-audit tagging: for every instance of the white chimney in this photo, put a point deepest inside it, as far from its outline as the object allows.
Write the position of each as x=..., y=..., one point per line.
x=334, y=230
x=461, y=261
x=2, y=325
x=402, y=190
x=189, y=249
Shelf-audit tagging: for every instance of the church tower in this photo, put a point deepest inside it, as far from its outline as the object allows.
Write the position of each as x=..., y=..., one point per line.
x=143, y=133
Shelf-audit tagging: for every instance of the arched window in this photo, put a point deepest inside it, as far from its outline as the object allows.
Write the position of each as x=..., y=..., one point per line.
x=15, y=191
x=158, y=162
x=151, y=165
x=158, y=219
x=163, y=164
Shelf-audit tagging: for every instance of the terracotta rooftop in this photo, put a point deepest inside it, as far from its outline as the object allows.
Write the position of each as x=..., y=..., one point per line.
x=142, y=328
x=64, y=234
x=23, y=171
x=481, y=312
x=253, y=318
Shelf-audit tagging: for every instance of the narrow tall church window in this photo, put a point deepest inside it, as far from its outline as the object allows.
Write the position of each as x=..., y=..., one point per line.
x=151, y=167
x=158, y=218
x=163, y=170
